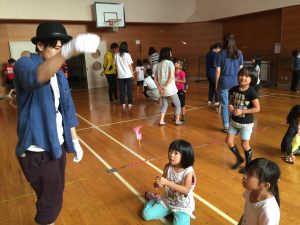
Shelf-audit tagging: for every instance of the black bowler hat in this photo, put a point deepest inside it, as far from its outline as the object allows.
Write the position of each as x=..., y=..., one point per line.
x=51, y=30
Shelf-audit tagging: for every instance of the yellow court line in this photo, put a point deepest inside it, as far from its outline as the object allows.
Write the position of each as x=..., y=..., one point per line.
x=209, y=205
x=33, y=194
x=16, y=198
x=131, y=188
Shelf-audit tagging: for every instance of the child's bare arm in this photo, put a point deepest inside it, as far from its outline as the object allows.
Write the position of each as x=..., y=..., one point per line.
x=255, y=109
x=230, y=105
x=183, y=189
x=182, y=80
x=157, y=185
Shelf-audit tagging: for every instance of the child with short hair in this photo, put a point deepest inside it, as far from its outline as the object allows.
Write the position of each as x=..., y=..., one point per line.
x=256, y=63
x=9, y=73
x=243, y=103
x=178, y=181
x=290, y=144
x=139, y=71
x=146, y=64
x=150, y=88
x=180, y=80
x=261, y=195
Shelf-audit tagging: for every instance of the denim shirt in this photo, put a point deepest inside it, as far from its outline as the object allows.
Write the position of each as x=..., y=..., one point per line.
x=36, y=109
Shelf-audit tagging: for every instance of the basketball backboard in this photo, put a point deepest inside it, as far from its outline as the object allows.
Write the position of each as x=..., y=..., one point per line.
x=108, y=12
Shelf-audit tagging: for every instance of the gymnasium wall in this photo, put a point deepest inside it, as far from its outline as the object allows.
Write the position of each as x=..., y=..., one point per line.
x=290, y=41
x=259, y=31
x=154, y=11
x=208, y=10
x=256, y=34
x=197, y=36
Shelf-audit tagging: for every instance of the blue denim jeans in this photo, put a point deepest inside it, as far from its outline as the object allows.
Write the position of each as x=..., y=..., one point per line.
x=154, y=210
x=224, y=95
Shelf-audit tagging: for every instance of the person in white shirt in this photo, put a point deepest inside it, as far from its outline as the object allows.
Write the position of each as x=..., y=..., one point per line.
x=140, y=73
x=261, y=195
x=150, y=88
x=124, y=62
x=256, y=63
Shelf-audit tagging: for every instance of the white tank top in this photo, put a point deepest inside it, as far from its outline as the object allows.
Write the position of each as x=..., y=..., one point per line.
x=174, y=200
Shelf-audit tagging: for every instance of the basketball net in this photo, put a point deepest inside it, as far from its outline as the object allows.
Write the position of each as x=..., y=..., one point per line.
x=114, y=24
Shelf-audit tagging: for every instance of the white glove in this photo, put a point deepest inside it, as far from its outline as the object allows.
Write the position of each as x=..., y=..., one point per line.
x=78, y=151
x=83, y=43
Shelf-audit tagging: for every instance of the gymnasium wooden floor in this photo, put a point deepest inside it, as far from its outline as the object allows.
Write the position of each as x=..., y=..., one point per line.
x=94, y=196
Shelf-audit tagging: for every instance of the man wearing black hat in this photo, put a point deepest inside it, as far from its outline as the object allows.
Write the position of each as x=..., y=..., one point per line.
x=47, y=119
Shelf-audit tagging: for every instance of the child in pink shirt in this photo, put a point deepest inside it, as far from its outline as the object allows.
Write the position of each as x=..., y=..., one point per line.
x=180, y=79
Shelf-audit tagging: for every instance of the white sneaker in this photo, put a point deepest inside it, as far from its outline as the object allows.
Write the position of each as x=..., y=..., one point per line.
x=124, y=106
x=130, y=106
x=209, y=103
x=217, y=103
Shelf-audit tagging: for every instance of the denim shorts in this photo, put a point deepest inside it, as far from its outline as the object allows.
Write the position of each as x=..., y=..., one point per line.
x=245, y=130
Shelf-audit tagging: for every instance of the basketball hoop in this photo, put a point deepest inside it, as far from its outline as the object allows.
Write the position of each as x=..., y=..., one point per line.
x=114, y=23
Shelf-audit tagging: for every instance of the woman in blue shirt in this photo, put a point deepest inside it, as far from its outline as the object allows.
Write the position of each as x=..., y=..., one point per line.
x=228, y=63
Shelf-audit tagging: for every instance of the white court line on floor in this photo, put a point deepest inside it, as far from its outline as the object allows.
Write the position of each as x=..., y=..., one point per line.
x=141, y=118
x=267, y=94
x=278, y=97
x=209, y=205
x=147, y=117
x=288, y=95
x=120, y=178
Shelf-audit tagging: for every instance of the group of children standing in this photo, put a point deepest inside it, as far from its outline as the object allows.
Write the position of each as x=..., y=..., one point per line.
x=118, y=66
x=164, y=78
x=160, y=71
x=260, y=176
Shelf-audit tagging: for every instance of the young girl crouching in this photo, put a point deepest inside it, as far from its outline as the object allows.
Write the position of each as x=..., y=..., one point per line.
x=178, y=181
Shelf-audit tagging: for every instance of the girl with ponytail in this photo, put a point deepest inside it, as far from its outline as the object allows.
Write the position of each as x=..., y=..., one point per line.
x=261, y=195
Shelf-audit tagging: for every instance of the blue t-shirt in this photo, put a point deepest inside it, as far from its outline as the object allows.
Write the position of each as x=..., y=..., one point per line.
x=211, y=64
x=229, y=69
